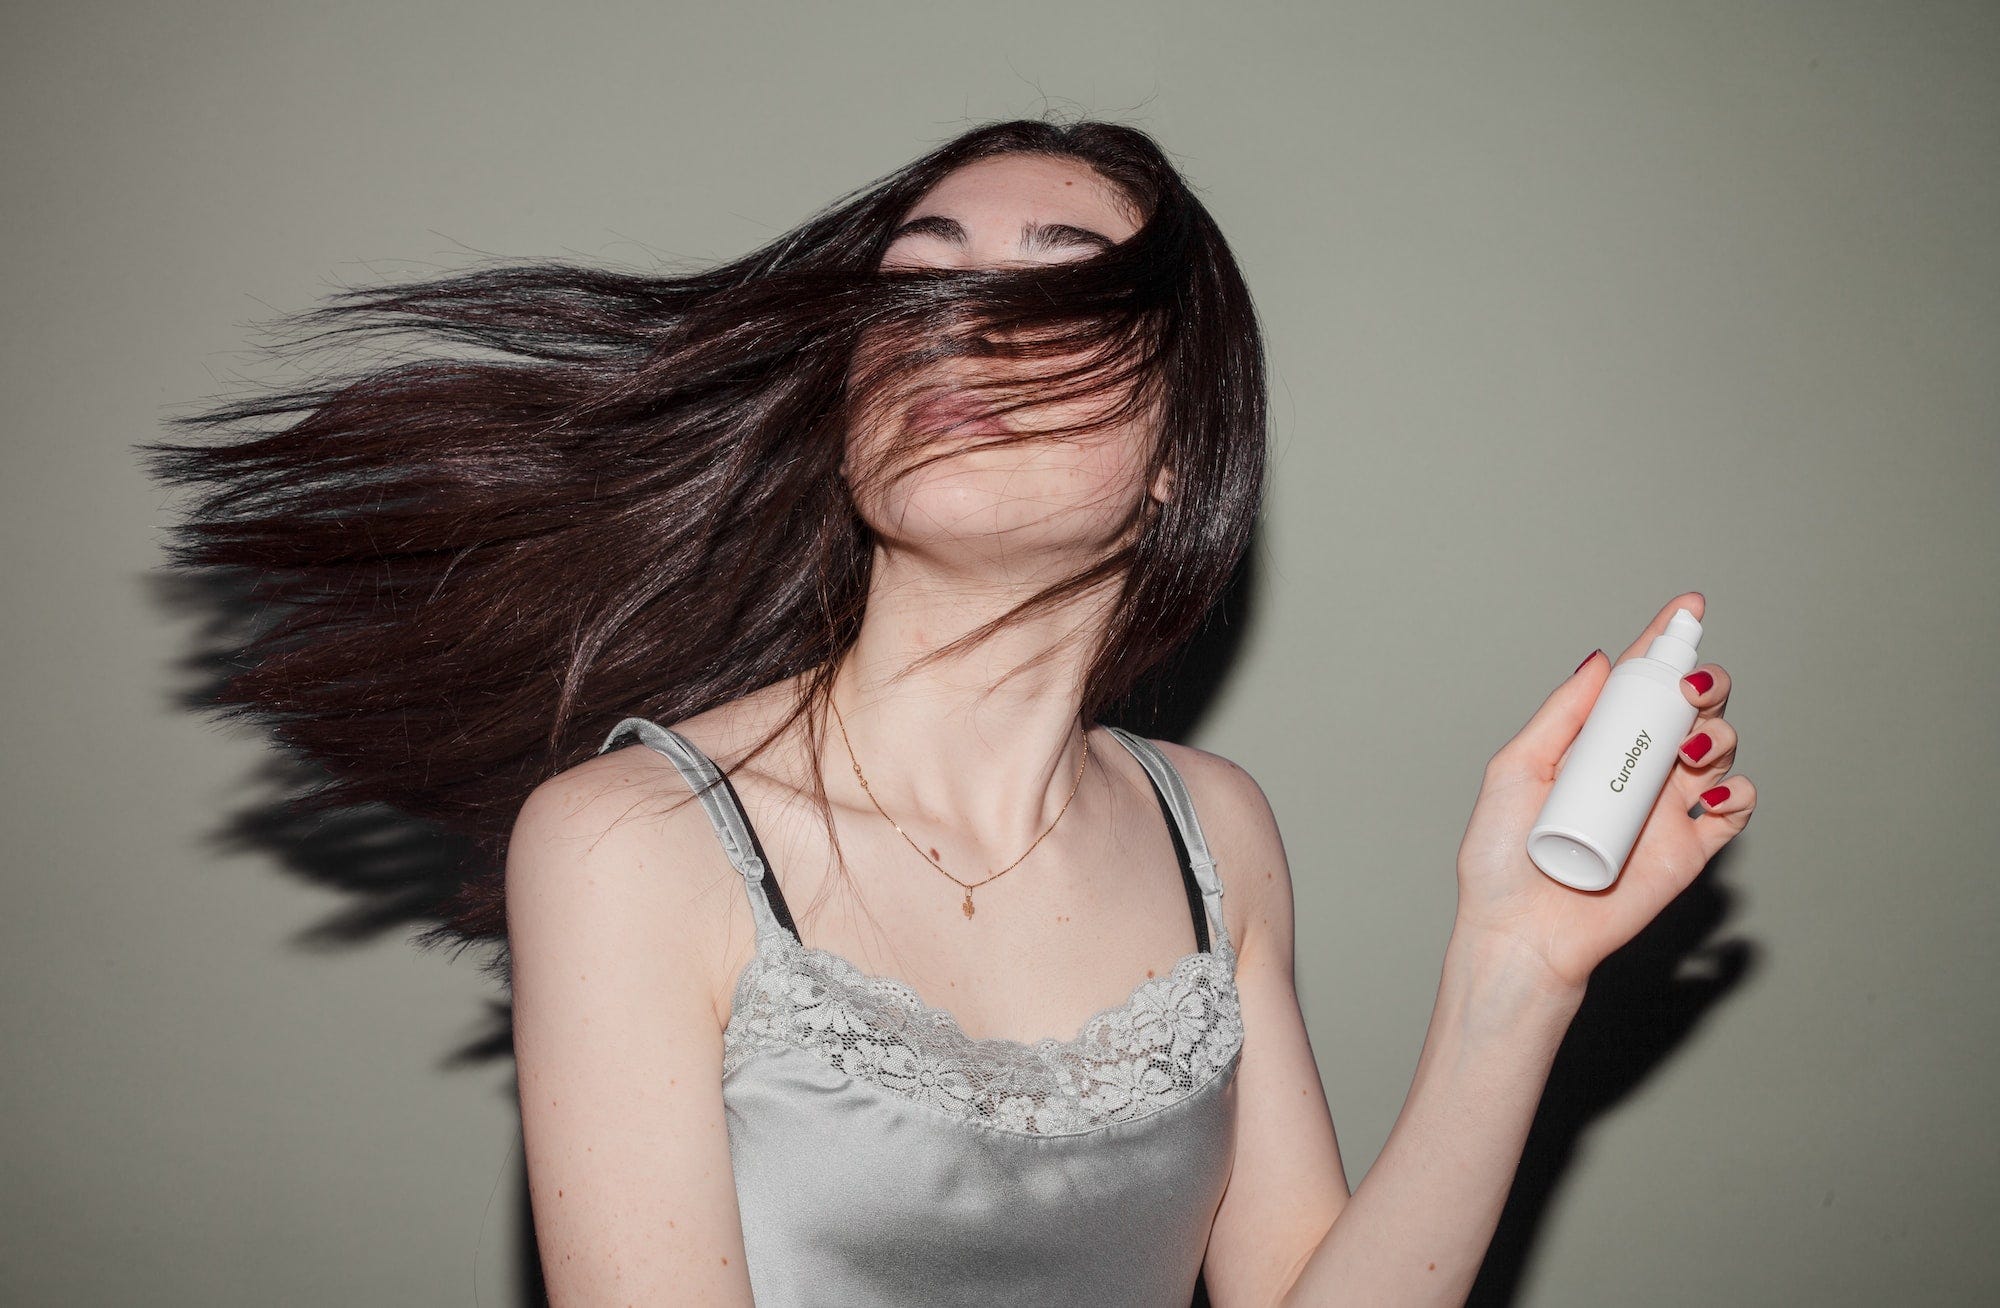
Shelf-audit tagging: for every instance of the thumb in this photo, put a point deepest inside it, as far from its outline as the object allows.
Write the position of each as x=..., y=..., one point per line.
x=1549, y=733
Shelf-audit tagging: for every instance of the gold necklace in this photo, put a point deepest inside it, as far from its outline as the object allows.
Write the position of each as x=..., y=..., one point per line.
x=968, y=888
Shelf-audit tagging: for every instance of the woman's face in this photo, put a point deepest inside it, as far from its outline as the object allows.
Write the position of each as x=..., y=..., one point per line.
x=1033, y=503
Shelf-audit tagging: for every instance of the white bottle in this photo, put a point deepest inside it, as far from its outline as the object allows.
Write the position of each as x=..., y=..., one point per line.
x=1619, y=763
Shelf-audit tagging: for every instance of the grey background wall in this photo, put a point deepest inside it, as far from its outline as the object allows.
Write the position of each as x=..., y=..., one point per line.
x=1570, y=307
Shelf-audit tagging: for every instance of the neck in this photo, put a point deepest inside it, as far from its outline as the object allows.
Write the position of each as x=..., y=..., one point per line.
x=983, y=744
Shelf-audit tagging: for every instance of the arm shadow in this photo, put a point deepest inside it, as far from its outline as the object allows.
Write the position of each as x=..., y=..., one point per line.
x=1643, y=1004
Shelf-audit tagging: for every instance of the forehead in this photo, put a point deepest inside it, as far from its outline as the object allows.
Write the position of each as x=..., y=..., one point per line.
x=1013, y=188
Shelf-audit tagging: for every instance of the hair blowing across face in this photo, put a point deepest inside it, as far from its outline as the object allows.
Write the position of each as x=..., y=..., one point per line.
x=619, y=494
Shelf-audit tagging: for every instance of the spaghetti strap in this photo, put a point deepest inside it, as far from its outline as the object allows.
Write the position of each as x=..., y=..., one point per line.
x=725, y=814
x=1174, y=796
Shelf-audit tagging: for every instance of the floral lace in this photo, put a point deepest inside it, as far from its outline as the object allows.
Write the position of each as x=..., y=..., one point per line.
x=1167, y=1040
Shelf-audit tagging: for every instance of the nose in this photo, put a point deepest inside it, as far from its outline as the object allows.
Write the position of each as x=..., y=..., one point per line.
x=979, y=344
x=977, y=339
x=982, y=340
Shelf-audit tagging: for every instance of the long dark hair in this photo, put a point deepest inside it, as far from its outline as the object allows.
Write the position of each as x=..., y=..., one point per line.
x=620, y=494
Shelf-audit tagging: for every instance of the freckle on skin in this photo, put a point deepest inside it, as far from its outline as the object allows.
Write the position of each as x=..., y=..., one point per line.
x=1432, y=1268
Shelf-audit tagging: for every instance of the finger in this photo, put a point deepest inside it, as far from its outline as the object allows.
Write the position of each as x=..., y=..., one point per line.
x=1726, y=805
x=1708, y=751
x=1691, y=600
x=1537, y=748
x=1707, y=688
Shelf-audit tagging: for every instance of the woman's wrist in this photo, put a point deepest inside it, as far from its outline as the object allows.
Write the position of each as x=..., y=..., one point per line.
x=1509, y=973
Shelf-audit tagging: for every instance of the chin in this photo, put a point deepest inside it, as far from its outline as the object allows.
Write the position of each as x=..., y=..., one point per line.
x=973, y=524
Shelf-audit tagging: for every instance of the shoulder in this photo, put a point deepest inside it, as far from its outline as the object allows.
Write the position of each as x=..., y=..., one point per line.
x=1243, y=837
x=628, y=813
x=616, y=1038
x=613, y=858
x=606, y=806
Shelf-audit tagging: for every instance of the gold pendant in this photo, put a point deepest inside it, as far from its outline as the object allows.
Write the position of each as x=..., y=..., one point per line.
x=967, y=905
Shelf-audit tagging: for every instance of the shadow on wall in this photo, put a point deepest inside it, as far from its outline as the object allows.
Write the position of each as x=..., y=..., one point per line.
x=393, y=869
x=1642, y=1004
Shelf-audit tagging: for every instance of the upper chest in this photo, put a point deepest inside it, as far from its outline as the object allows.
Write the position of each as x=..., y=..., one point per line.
x=1066, y=934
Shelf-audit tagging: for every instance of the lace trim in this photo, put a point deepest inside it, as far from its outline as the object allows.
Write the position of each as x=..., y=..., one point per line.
x=1171, y=1036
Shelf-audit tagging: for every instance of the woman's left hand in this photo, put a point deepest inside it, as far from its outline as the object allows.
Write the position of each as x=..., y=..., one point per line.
x=1561, y=932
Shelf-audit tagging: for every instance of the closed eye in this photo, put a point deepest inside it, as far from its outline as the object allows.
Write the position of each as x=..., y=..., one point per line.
x=1035, y=237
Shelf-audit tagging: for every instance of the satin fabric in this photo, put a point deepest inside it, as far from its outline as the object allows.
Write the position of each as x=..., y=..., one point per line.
x=851, y=1192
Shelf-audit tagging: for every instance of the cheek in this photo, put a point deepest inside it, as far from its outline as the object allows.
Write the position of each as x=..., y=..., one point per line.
x=1105, y=465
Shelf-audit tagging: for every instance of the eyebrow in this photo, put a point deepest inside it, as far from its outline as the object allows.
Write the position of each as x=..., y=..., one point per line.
x=1034, y=236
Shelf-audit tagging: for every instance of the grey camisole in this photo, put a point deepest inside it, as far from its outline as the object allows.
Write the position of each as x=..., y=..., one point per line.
x=884, y=1157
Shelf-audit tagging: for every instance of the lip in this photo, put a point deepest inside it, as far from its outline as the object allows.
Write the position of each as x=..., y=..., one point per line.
x=957, y=412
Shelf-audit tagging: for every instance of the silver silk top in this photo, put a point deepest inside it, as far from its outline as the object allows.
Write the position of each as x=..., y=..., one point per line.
x=883, y=1157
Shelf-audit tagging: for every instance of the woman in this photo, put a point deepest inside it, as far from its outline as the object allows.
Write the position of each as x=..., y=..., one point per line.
x=856, y=539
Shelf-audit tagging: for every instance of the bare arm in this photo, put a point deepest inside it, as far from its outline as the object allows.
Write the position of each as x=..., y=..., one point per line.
x=1287, y=1183
x=617, y=1045
x=1521, y=951
x=1416, y=1229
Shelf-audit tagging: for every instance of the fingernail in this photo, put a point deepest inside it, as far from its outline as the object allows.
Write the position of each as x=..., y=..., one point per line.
x=1709, y=799
x=1701, y=681
x=1586, y=658
x=1697, y=747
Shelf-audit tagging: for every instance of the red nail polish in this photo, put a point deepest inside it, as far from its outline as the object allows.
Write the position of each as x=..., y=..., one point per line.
x=1586, y=658
x=1715, y=795
x=1701, y=681
x=1697, y=747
